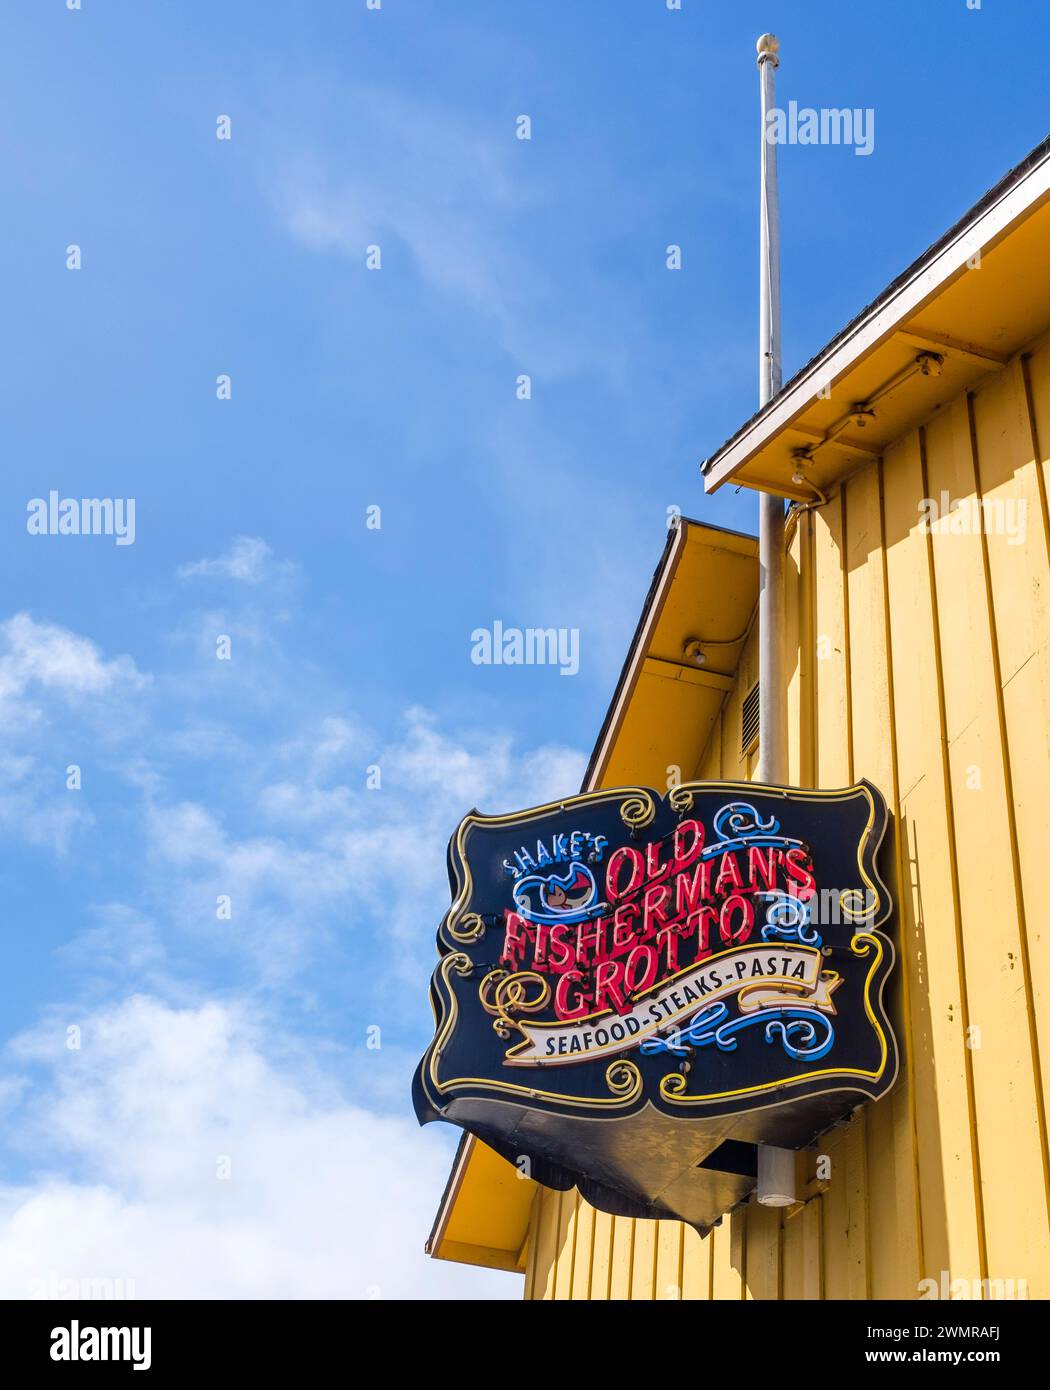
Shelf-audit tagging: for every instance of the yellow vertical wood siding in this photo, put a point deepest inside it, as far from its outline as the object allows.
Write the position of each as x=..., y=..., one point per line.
x=921, y=660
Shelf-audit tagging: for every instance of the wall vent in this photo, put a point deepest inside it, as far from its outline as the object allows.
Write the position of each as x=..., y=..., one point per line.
x=749, y=721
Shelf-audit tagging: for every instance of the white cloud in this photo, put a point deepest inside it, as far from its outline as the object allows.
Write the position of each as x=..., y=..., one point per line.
x=324, y=1198
x=249, y=560
x=55, y=659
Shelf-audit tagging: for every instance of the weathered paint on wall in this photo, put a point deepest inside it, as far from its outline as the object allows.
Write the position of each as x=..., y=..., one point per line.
x=920, y=660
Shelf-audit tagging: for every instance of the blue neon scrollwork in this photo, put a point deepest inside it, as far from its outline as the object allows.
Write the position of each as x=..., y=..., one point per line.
x=788, y=919
x=739, y=826
x=806, y=1035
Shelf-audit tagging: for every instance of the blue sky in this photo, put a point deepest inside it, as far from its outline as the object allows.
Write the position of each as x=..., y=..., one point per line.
x=240, y=1045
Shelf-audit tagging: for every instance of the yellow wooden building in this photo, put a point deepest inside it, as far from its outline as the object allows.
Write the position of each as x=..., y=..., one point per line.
x=915, y=449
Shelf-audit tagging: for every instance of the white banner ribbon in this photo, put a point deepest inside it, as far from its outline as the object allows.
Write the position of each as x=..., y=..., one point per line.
x=762, y=977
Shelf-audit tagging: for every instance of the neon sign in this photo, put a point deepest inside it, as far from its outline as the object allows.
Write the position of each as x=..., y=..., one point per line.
x=698, y=969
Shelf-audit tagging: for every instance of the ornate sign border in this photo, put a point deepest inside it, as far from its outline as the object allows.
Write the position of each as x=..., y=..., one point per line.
x=623, y=1078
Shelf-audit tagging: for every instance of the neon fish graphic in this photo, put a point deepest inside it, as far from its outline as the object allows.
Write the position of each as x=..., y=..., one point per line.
x=571, y=897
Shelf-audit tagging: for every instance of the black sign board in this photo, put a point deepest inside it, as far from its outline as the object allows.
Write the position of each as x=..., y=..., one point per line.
x=633, y=990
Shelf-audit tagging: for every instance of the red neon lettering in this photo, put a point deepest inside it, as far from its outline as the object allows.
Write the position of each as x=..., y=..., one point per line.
x=607, y=986
x=640, y=969
x=516, y=938
x=560, y=951
x=762, y=866
x=654, y=905
x=625, y=920
x=590, y=936
x=654, y=872
x=690, y=892
x=728, y=873
x=684, y=853
x=797, y=866
x=562, y=1005
x=624, y=855
x=736, y=903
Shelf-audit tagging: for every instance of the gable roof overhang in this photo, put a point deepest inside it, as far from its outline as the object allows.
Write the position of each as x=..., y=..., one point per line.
x=483, y=1218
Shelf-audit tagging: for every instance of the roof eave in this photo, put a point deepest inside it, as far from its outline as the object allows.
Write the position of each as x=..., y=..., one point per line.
x=1015, y=197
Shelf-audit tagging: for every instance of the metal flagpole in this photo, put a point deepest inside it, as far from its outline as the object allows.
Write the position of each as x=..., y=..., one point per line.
x=776, y=1166
x=771, y=748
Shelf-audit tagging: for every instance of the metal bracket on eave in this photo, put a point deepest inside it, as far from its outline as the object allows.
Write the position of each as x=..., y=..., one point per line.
x=692, y=675
x=947, y=347
x=861, y=413
x=818, y=438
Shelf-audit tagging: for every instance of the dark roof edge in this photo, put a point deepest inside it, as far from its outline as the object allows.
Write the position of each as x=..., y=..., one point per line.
x=439, y=1215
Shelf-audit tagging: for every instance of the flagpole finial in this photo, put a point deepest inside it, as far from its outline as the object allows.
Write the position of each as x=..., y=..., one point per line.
x=768, y=47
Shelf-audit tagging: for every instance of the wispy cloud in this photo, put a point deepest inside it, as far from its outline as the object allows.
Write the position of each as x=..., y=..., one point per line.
x=53, y=681
x=262, y=852
x=249, y=560
x=458, y=200
x=325, y=852
x=420, y=174
x=34, y=806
